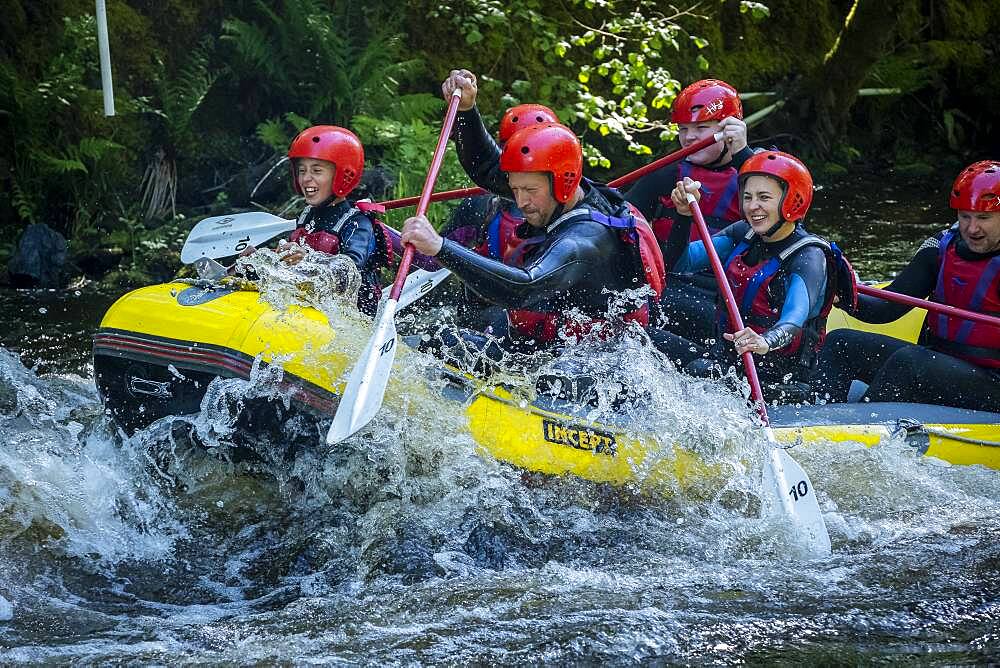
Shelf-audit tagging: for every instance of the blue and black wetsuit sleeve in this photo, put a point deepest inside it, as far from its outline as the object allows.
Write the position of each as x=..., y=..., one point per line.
x=805, y=294
x=741, y=156
x=357, y=240
x=564, y=264
x=916, y=279
x=478, y=153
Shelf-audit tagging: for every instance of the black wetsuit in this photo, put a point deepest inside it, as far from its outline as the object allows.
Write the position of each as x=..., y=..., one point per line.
x=896, y=370
x=357, y=241
x=687, y=305
x=469, y=226
x=800, y=286
x=575, y=262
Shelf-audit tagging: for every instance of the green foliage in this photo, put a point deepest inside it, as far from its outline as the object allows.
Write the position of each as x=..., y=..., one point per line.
x=54, y=159
x=278, y=133
x=318, y=62
x=604, y=62
x=757, y=10
x=407, y=149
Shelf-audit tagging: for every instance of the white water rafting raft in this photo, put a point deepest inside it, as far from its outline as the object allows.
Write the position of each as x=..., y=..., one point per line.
x=159, y=347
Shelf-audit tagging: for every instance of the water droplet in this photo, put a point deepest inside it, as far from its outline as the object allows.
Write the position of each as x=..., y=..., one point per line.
x=43, y=310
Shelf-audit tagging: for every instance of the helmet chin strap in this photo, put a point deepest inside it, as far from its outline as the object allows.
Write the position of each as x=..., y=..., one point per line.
x=774, y=228
x=560, y=207
x=718, y=162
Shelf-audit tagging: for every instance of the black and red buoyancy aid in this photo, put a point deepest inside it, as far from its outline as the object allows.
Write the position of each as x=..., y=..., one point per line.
x=329, y=241
x=637, y=235
x=750, y=288
x=380, y=254
x=973, y=285
x=719, y=198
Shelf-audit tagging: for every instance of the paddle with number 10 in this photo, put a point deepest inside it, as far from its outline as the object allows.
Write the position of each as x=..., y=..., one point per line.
x=365, y=388
x=782, y=475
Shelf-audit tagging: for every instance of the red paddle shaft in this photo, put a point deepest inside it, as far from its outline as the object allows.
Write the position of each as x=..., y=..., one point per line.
x=625, y=180
x=734, y=313
x=425, y=194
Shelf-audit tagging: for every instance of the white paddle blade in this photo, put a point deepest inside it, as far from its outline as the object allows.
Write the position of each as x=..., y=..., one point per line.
x=225, y=236
x=419, y=283
x=365, y=389
x=789, y=491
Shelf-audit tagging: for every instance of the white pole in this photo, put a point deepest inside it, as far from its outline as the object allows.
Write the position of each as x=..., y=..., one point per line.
x=105, y=49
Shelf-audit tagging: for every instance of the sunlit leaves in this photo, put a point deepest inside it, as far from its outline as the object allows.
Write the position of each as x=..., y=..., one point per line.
x=757, y=10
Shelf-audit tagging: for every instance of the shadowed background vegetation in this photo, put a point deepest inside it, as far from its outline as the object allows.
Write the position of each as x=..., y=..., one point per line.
x=210, y=92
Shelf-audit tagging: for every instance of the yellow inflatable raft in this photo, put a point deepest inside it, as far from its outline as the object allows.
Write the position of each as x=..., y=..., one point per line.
x=158, y=348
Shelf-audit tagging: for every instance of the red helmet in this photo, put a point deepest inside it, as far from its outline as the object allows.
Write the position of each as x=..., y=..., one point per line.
x=977, y=188
x=524, y=116
x=706, y=100
x=793, y=175
x=333, y=144
x=550, y=148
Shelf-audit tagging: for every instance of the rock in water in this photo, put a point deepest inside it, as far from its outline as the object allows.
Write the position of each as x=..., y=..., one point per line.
x=39, y=259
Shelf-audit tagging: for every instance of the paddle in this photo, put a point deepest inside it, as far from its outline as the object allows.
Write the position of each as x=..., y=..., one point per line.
x=916, y=302
x=225, y=236
x=623, y=180
x=782, y=474
x=365, y=388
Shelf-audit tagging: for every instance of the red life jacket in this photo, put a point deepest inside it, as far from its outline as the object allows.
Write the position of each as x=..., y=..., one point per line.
x=329, y=242
x=500, y=240
x=719, y=198
x=750, y=288
x=973, y=285
x=645, y=251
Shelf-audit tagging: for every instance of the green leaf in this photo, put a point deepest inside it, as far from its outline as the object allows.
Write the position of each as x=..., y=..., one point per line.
x=473, y=37
x=702, y=62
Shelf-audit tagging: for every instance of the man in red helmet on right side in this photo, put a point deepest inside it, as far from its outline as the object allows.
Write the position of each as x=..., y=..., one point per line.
x=700, y=110
x=958, y=361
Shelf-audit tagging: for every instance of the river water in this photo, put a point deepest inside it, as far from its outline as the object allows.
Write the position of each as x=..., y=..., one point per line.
x=407, y=547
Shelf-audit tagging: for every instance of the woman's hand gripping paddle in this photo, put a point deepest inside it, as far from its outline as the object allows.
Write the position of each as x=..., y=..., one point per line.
x=783, y=477
x=365, y=389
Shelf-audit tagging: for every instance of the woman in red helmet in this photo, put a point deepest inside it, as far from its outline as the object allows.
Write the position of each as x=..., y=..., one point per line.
x=582, y=245
x=326, y=165
x=784, y=278
x=700, y=110
x=957, y=362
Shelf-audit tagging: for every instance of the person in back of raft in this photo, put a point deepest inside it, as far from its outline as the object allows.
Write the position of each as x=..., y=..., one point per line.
x=327, y=162
x=783, y=277
x=582, y=246
x=957, y=362
x=700, y=110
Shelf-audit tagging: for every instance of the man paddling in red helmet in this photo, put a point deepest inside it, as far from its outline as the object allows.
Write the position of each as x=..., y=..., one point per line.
x=487, y=223
x=958, y=361
x=700, y=110
x=585, y=247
